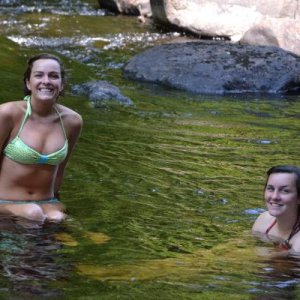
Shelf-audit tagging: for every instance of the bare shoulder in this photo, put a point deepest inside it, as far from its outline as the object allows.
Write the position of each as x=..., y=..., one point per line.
x=295, y=242
x=10, y=114
x=72, y=123
x=72, y=119
x=9, y=111
x=9, y=108
x=262, y=222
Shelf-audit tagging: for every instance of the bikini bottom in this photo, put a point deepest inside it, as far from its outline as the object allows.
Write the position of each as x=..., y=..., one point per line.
x=45, y=201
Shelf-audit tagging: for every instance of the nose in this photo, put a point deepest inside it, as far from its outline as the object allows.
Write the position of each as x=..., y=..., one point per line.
x=275, y=195
x=45, y=79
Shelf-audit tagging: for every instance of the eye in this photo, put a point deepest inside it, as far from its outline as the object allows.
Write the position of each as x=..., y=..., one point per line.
x=54, y=76
x=269, y=188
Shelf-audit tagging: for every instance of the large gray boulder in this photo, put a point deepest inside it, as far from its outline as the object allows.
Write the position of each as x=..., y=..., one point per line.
x=217, y=68
x=233, y=19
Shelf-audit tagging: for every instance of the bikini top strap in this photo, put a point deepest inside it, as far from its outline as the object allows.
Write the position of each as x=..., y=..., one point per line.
x=294, y=231
x=26, y=115
x=271, y=226
x=61, y=121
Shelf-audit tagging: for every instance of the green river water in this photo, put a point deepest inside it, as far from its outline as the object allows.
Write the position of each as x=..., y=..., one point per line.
x=161, y=196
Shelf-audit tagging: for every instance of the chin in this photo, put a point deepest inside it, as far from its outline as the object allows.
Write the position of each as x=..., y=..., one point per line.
x=274, y=213
x=47, y=98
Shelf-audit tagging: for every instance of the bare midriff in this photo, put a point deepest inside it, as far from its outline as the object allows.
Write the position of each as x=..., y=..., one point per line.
x=26, y=182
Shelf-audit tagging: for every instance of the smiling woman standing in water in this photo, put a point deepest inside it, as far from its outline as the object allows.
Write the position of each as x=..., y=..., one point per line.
x=281, y=222
x=37, y=137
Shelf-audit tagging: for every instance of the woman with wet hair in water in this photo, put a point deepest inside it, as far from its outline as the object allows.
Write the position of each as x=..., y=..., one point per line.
x=281, y=222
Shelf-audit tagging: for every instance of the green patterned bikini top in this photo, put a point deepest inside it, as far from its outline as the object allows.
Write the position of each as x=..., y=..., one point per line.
x=18, y=151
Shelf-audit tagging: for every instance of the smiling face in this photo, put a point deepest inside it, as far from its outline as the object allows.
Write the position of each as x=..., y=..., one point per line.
x=45, y=81
x=281, y=195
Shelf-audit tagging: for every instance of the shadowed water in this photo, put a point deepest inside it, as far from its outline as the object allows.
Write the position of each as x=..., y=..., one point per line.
x=161, y=196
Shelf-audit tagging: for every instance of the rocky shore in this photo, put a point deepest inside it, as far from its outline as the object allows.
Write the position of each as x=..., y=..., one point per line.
x=257, y=52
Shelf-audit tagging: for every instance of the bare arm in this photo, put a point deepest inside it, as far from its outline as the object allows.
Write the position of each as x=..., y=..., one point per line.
x=6, y=123
x=260, y=223
x=74, y=124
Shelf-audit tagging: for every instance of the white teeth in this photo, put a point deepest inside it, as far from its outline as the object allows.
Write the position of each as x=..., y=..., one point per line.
x=276, y=204
x=45, y=91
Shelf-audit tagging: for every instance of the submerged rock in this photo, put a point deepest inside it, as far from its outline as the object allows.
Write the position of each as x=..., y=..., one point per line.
x=217, y=68
x=101, y=93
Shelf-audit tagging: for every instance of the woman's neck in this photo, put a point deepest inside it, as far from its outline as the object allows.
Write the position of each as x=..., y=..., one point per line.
x=41, y=109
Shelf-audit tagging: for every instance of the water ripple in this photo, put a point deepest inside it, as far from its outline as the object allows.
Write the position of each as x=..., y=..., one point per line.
x=55, y=42
x=110, y=42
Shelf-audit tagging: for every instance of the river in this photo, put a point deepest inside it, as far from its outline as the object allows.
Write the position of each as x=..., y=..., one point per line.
x=161, y=196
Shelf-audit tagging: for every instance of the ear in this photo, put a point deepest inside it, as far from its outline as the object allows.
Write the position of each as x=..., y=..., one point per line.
x=28, y=85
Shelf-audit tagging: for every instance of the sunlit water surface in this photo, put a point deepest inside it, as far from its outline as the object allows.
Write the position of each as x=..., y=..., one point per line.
x=162, y=195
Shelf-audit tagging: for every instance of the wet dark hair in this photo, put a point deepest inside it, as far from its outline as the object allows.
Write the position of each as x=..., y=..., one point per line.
x=289, y=170
x=30, y=63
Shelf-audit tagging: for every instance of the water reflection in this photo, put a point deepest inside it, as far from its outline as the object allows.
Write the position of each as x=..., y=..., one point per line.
x=31, y=258
x=279, y=276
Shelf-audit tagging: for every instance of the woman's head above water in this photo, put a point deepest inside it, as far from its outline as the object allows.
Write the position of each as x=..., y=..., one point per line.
x=286, y=169
x=282, y=192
